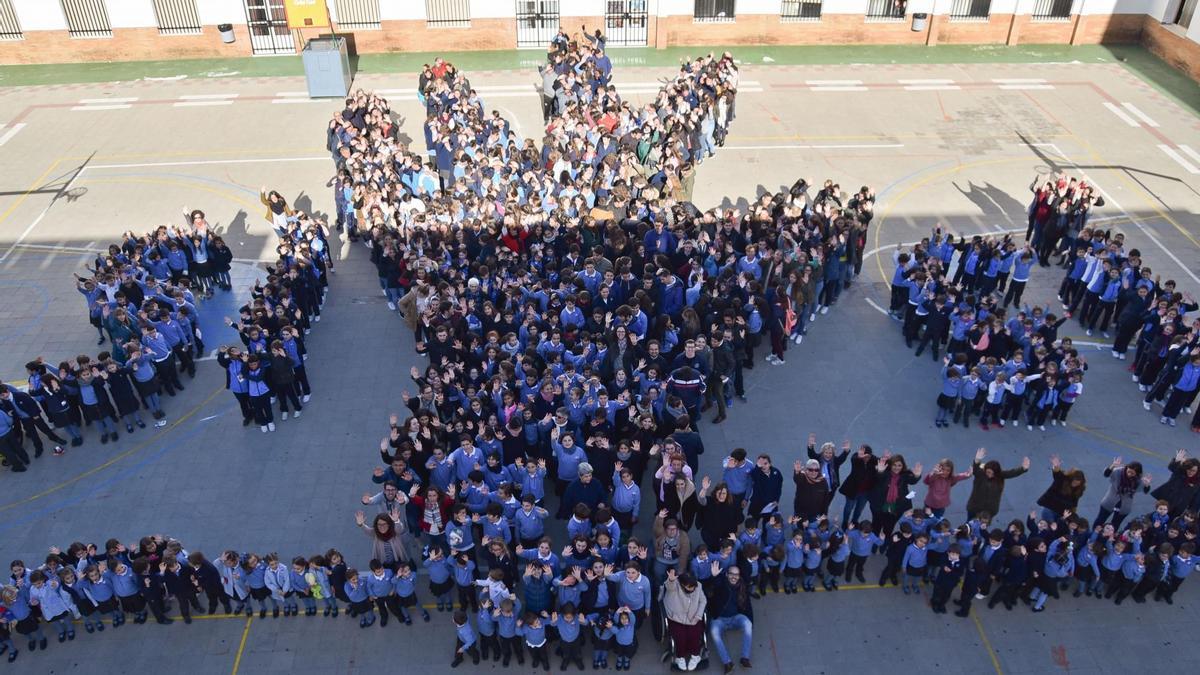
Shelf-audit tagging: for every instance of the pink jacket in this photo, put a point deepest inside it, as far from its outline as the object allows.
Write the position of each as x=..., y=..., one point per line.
x=938, y=496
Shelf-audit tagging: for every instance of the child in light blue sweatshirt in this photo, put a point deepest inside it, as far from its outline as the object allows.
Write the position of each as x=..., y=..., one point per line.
x=405, y=585
x=914, y=562
x=624, y=637
x=441, y=577
x=793, y=565
x=464, y=641
x=813, y=550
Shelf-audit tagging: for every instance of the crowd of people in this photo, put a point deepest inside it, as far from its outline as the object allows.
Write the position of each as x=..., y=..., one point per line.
x=478, y=529
x=1001, y=365
x=580, y=316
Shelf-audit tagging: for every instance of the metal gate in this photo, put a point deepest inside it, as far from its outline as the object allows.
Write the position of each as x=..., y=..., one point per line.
x=537, y=22
x=625, y=23
x=269, y=33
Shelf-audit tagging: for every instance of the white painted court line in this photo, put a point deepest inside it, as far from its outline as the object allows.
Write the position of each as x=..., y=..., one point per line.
x=932, y=87
x=12, y=131
x=1139, y=114
x=191, y=104
x=1179, y=159
x=822, y=83
x=292, y=93
x=1019, y=80
x=1144, y=230
x=928, y=81
x=1026, y=86
x=849, y=146
x=88, y=101
x=1112, y=107
x=848, y=87
x=119, y=106
x=202, y=97
x=299, y=100
x=1187, y=150
x=141, y=165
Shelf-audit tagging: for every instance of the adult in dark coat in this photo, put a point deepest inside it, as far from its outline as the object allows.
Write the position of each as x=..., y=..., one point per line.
x=889, y=496
x=766, y=489
x=721, y=515
x=859, y=484
x=831, y=464
x=812, y=492
x=1064, y=492
x=582, y=490
x=1182, y=489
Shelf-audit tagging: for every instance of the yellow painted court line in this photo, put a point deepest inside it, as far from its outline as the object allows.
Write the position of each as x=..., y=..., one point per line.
x=883, y=216
x=29, y=190
x=237, y=660
x=987, y=644
x=293, y=151
x=252, y=206
x=1116, y=441
x=91, y=472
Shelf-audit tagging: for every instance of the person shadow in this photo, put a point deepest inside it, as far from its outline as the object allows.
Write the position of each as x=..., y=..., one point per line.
x=992, y=201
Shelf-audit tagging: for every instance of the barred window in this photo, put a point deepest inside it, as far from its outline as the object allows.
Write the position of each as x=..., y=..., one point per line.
x=177, y=17
x=970, y=10
x=1052, y=10
x=357, y=14
x=800, y=10
x=87, y=18
x=10, y=28
x=448, y=13
x=715, y=11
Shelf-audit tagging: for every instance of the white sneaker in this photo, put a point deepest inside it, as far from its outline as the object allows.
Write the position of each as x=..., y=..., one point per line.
x=296, y=414
x=1121, y=356
x=264, y=429
x=799, y=339
x=271, y=426
x=1115, y=354
x=1188, y=410
x=812, y=317
x=1142, y=387
x=317, y=318
x=693, y=661
x=779, y=362
x=1053, y=423
x=824, y=309
x=1089, y=332
x=980, y=596
x=1042, y=427
x=681, y=663
x=1105, y=334
x=306, y=397
x=1145, y=405
x=284, y=416
x=392, y=306
x=1001, y=422
x=1029, y=427
x=383, y=292
x=1134, y=377
x=770, y=358
x=159, y=424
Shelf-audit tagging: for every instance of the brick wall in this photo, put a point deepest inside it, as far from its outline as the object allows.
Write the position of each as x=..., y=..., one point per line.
x=126, y=44
x=499, y=34
x=1180, y=52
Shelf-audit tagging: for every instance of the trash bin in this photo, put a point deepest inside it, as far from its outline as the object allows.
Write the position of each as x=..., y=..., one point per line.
x=327, y=67
x=226, y=30
x=920, y=22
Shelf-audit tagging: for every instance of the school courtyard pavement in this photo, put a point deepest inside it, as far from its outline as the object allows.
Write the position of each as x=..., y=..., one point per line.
x=87, y=152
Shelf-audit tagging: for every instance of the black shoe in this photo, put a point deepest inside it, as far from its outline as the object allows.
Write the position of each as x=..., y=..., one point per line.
x=103, y=439
x=76, y=442
x=275, y=613
x=187, y=619
x=262, y=613
x=42, y=644
x=141, y=425
x=114, y=436
x=37, y=452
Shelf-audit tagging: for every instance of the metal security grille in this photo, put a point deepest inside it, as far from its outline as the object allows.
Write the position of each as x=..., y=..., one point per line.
x=448, y=13
x=357, y=14
x=537, y=22
x=886, y=10
x=86, y=18
x=625, y=23
x=177, y=17
x=801, y=10
x=714, y=11
x=10, y=28
x=970, y=10
x=1052, y=10
x=267, y=22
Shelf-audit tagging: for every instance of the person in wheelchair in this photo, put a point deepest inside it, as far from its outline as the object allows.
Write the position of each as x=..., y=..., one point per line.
x=683, y=610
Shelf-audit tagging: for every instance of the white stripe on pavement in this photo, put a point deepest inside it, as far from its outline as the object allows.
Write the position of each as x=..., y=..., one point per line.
x=1187, y=150
x=1026, y=86
x=12, y=131
x=121, y=106
x=1018, y=80
x=932, y=87
x=140, y=165
x=848, y=87
x=848, y=146
x=1139, y=114
x=1179, y=159
x=821, y=83
x=203, y=97
x=1112, y=107
x=190, y=104
x=107, y=100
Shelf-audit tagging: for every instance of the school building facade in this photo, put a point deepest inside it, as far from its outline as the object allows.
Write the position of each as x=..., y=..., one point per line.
x=57, y=31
